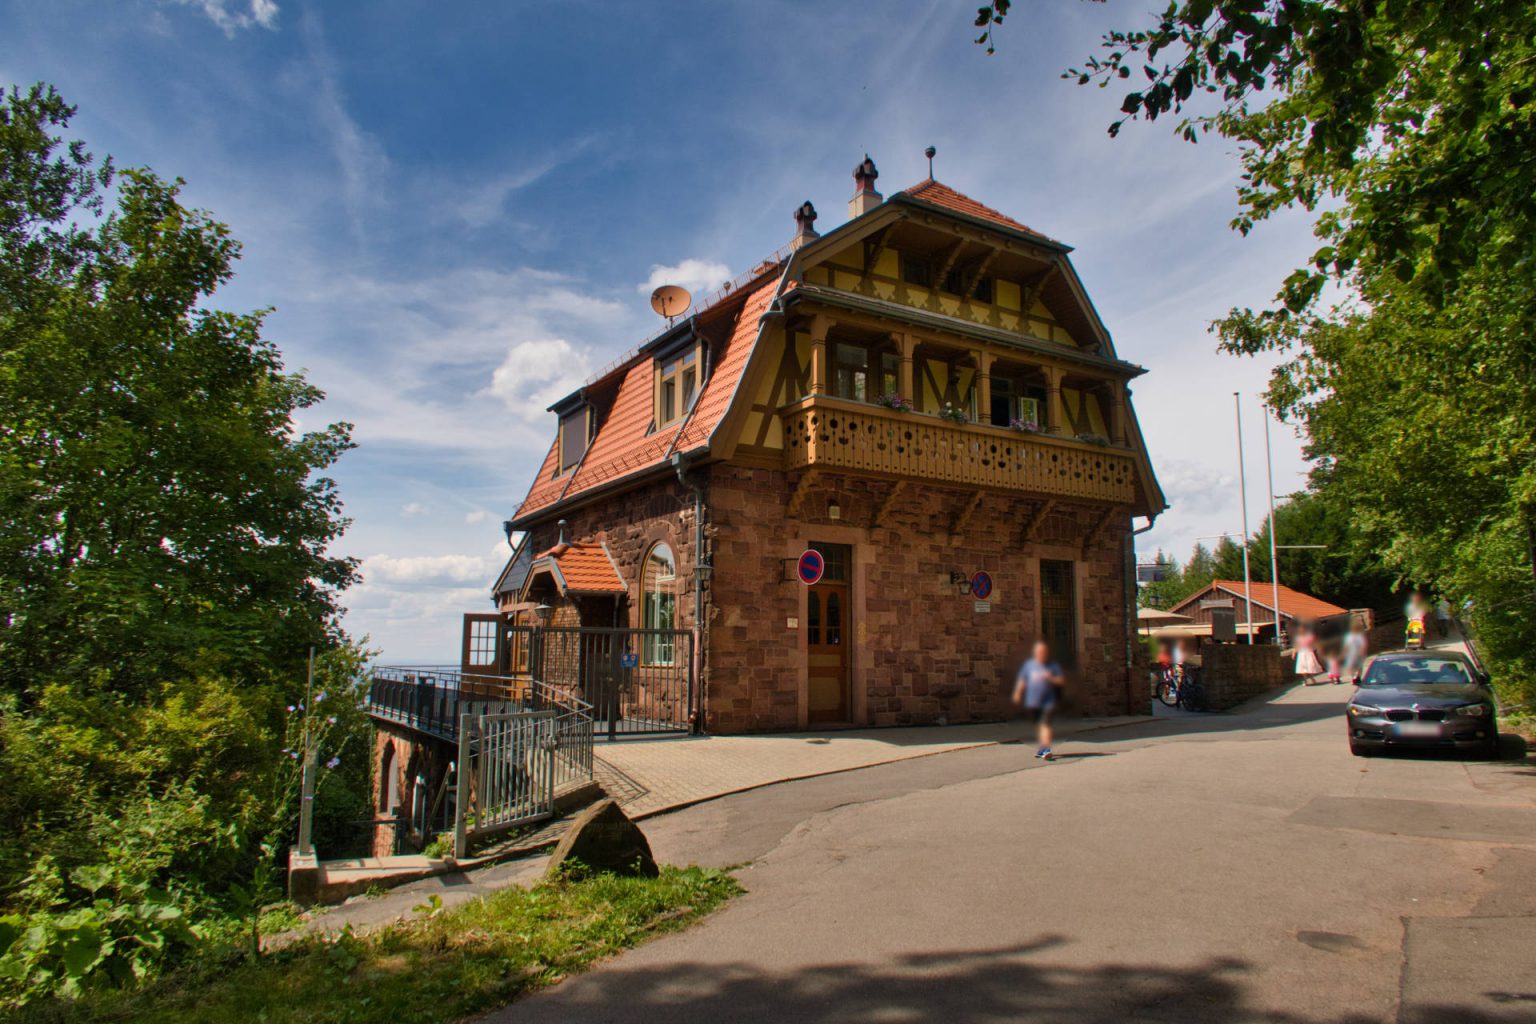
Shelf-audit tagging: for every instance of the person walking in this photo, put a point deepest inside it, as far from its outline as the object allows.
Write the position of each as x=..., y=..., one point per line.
x=1038, y=692
x=1308, y=667
x=1443, y=617
x=1355, y=644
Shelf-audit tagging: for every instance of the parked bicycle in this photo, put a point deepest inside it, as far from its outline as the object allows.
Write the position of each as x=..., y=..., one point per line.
x=1179, y=686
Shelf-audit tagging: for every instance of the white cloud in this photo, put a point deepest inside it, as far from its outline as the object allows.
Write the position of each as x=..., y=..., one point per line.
x=358, y=155
x=698, y=276
x=435, y=570
x=479, y=515
x=536, y=374
x=412, y=509
x=483, y=203
x=231, y=16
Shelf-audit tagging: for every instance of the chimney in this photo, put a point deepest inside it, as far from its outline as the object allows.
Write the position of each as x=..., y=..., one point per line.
x=865, y=198
x=805, y=222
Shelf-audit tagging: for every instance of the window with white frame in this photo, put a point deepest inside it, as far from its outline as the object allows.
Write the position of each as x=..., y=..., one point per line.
x=658, y=604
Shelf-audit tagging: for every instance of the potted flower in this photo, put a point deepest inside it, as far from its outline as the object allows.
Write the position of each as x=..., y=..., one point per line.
x=1094, y=439
x=894, y=402
x=1024, y=426
x=954, y=413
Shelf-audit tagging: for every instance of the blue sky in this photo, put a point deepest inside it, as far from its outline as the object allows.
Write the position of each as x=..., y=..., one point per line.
x=457, y=211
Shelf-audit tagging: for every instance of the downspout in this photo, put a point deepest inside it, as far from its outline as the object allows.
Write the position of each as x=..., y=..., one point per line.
x=701, y=569
x=1132, y=634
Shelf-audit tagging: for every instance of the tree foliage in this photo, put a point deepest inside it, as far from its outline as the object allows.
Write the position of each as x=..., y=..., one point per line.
x=159, y=512
x=1409, y=132
x=164, y=526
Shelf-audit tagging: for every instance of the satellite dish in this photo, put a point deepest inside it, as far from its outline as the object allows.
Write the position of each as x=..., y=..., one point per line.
x=671, y=301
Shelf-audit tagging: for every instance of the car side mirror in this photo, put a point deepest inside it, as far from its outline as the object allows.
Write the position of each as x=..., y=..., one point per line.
x=1484, y=679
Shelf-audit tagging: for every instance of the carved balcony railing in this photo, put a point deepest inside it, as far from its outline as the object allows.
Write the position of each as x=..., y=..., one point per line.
x=832, y=433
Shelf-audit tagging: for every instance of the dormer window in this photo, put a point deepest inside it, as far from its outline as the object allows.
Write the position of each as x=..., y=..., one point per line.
x=575, y=433
x=677, y=385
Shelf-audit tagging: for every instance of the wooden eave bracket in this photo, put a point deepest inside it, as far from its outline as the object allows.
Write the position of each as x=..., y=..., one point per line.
x=1037, y=520
x=979, y=273
x=949, y=264
x=807, y=481
x=883, y=509
x=873, y=251
x=964, y=518
x=1033, y=289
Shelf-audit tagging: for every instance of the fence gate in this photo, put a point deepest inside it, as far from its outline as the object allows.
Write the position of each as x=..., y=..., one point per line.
x=637, y=681
x=506, y=773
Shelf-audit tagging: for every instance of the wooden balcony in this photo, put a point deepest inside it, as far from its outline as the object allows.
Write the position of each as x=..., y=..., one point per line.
x=831, y=433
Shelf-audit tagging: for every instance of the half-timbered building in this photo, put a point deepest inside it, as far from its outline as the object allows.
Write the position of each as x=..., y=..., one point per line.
x=923, y=394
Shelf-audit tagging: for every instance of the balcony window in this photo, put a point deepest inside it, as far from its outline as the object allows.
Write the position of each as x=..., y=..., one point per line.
x=1012, y=400
x=676, y=387
x=917, y=270
x=863, y=374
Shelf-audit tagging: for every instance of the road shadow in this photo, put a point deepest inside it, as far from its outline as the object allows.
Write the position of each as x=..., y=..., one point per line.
x=1016, y=984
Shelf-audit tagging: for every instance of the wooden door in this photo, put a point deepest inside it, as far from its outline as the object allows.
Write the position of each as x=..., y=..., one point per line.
x=828, y=634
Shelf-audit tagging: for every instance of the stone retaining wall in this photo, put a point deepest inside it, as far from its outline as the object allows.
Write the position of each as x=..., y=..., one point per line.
x=1234, y=673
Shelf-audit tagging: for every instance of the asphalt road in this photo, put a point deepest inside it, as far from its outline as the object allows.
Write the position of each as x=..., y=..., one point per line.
x=1220, y=868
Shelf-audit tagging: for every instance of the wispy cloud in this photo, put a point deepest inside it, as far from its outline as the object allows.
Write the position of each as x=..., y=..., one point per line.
x=232, y=15
x=483, y=203
x=359, y=156
x=698, y=276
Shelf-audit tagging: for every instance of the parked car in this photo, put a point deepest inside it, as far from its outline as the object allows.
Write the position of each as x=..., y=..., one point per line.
x=1422, y=700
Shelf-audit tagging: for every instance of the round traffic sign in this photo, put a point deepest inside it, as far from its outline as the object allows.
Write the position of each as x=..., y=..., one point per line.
x=981, y=585
x=810, y=567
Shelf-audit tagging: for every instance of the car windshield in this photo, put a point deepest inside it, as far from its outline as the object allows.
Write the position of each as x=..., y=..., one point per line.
x=1417, y=671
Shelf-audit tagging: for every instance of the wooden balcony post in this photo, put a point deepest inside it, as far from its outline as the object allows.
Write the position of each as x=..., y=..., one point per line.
x=983, y=386
x=1119, y=429
x=1055, y=417
x=908, y=345
x=820, y=326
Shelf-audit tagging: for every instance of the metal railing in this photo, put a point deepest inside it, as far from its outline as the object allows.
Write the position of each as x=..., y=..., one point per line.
x=573, y=733
x=430, y=698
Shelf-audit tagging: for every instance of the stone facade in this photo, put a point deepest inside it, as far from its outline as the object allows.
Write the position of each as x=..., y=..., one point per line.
x=923, y=653
x=400, y=755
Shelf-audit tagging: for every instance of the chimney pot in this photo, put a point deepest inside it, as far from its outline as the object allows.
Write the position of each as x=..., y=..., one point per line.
x=865, y=198
x=805, y=224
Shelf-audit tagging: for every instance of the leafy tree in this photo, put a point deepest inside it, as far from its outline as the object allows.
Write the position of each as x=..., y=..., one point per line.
x=1199, y=570
x=1228, y=560
x=160, y=515
x=1166, y=592
x=1409, y=131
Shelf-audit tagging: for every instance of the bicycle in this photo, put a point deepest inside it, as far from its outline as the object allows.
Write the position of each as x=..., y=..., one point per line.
x=1181, y=687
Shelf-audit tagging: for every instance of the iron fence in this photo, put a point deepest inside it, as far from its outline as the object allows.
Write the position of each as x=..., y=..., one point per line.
x=635, y=681
x=572, y=734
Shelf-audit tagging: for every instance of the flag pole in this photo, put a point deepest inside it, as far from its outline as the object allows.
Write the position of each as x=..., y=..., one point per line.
x=1274, y=558
x=1242, y=482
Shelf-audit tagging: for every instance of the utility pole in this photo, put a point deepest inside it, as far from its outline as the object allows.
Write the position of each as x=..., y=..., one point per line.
x=1242, y=483
x=1274, y=557
x=308, y=769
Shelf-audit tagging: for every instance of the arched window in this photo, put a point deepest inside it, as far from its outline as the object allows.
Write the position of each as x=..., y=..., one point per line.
x=658, y=605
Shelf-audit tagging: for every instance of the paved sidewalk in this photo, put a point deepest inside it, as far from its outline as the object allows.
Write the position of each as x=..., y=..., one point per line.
x=653, y=776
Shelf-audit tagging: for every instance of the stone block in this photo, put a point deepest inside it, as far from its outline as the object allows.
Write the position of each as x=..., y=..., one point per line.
x=603, y=839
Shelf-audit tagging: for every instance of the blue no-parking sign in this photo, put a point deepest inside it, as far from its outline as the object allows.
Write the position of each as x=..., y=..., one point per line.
x=629, y=659
x=810, y=567
x=981, y=585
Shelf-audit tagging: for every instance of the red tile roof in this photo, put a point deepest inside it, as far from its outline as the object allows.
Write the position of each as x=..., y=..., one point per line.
x=1293, y=603
x=625, y=442
x=584, y=568
x=940, y=194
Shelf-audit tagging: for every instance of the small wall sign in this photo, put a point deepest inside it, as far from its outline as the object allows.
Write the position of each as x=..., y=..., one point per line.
x=629, y=659
x=983, y=607
x=810, y=567
x=981, y=585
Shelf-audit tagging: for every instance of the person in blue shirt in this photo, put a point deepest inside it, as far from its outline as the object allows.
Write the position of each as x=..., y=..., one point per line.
x=1037, y=692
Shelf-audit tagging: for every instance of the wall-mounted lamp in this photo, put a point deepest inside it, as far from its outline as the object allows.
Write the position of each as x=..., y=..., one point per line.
x=704, y=572
x=834, y=510
x=960, y=580
x=542, y=613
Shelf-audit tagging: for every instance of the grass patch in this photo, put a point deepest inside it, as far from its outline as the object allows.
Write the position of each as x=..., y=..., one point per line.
x=444, y=966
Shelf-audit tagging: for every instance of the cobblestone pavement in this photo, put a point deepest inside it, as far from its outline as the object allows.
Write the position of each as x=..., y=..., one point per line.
x=650, y=776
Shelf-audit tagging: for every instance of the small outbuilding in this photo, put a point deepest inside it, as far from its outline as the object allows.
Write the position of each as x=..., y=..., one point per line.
x=1296, y=608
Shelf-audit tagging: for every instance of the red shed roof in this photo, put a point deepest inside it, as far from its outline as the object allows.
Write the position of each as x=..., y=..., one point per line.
x=1293, y=603
x=582, y=568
